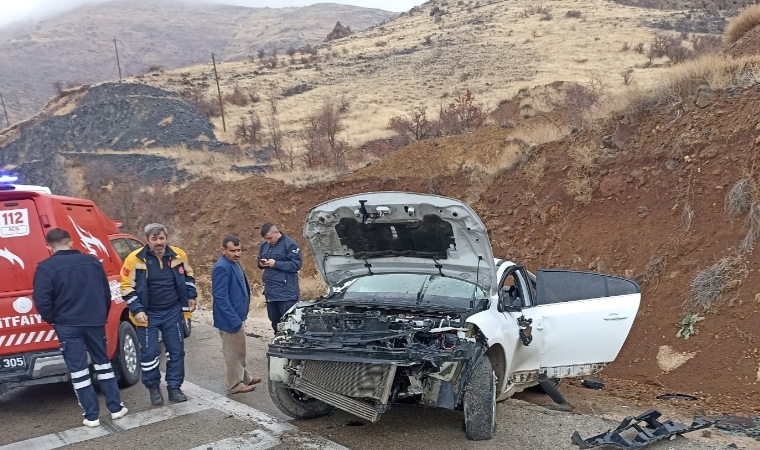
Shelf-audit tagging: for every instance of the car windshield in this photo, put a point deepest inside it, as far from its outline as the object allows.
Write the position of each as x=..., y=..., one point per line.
x=413, y=289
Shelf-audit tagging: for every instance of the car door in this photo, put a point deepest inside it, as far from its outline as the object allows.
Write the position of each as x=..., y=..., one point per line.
x=585, y=319
x=524, y=364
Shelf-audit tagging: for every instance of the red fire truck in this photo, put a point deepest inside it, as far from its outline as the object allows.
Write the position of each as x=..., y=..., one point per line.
x=29, y=352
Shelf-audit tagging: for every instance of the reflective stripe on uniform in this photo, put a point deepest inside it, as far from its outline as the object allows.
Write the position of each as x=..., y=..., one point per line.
x=80, y=374
x=82, y=384
x=105, y=366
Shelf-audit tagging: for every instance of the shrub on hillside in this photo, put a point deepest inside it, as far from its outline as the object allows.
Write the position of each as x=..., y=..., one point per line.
x=747, y=19
x=573, y=14
x=237, y=97
x=208, y=107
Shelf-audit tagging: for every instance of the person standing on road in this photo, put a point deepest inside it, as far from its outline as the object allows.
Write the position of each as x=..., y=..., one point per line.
x=71, y=294
x=232, y=298
x=280, y=257
x=158, y=285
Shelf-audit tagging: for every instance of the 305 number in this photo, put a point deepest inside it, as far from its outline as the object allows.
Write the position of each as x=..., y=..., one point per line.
x=12, y=363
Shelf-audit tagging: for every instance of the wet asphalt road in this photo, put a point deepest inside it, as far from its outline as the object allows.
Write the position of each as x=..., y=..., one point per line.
x=211, y=420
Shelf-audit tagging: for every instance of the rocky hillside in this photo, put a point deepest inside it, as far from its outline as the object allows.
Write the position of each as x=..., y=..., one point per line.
x=77, y=47
x=123, y=127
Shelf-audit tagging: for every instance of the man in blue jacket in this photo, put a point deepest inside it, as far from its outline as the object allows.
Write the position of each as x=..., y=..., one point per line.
x=232, y=298
x=280, y=257
x=71, y=293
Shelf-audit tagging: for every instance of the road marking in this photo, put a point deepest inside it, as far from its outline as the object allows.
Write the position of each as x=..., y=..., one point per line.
x=257, y=440
x=128, y=422
x=200, y=400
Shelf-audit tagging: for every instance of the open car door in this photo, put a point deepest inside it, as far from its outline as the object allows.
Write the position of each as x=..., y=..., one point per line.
x=586, y=319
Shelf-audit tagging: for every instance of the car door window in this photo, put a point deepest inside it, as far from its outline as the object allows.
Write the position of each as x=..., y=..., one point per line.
x=135, y=244
x=558, y=286
x=121, y=247
x=516, y=287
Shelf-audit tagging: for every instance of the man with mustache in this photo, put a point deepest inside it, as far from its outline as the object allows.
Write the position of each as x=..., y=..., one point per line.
x=232, y=298
x=158, y=285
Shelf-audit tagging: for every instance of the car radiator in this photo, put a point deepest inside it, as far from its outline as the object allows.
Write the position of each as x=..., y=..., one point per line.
x=342, y=384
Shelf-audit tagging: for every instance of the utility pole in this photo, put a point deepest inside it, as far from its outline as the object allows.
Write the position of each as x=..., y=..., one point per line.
x=219, y=91
x=7, y=121
x=118, y=64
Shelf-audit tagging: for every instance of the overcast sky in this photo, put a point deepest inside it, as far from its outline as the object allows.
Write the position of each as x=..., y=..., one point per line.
x=15, y=10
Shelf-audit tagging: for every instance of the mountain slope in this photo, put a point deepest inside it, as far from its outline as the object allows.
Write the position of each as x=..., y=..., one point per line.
x=78, y=46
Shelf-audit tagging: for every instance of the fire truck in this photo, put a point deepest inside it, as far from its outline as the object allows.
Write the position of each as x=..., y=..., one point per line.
x=29, y=348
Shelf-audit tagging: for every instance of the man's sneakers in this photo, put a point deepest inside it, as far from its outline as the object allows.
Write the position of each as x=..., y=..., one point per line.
x=120, y=413
x=176, y=395
x=156, y=397
x=92, y=423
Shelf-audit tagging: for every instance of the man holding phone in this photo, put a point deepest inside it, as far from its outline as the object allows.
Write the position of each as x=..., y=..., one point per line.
x=280, y=258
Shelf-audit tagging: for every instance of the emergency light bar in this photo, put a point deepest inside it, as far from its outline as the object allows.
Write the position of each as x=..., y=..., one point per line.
x=8, y=179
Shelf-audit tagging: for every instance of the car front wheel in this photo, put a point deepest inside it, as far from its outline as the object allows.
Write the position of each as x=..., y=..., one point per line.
x=295, y=403
x=480, y=402
x=126, y=363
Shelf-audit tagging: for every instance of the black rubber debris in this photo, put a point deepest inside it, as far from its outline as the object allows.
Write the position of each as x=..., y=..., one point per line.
x=676, y=397
x=651, y=430
x=593, y=383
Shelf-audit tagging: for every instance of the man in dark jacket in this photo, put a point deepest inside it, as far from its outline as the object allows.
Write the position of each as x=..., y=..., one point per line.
x=71, y=293
x=158, y=285
x=232, y=298
x=280, y=257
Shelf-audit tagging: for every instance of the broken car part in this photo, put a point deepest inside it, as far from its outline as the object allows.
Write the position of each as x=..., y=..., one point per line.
x=652, y=431
x=593, y=383
x=676, y=397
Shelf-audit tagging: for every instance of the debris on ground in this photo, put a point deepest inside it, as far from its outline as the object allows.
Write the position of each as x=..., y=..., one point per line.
x=651, y=431
x=593, y=383
x=675, y=396
x=749, y=426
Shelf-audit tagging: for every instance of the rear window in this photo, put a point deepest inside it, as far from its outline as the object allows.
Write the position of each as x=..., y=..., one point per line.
x=22, y=244
x=555, y=286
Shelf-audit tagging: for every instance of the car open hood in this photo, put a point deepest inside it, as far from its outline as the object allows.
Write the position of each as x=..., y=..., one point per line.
x=399, y=232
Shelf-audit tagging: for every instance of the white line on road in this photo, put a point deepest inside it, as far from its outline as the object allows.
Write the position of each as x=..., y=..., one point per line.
x=80, y=434
x=256, y=440
x=248, y=414
x=200, y=400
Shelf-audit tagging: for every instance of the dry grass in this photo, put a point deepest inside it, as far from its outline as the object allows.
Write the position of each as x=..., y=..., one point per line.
x=654, y=271
x=709, y=286
x=714, y=70
x=302, y=177
x=199, y=163
x=389, y=80
x=534, y=172
x=579, y=186
x=753, y=222
x=740, y=197
x=580, y=183
x=747, y=19
x=312, y=286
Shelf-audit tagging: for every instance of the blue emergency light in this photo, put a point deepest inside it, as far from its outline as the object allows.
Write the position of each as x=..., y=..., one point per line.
x=8, y=179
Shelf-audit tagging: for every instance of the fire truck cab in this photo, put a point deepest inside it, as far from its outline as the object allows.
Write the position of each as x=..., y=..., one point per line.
x=29, y=350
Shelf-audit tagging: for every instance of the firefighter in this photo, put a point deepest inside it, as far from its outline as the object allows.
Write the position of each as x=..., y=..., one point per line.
x=158, y=285
x=71, y=293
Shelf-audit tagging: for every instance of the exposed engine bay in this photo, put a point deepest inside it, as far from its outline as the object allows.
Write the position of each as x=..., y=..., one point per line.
x=363, y=359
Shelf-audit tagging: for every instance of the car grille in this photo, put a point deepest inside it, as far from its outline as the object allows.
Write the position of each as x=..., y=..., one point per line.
x=358, y=380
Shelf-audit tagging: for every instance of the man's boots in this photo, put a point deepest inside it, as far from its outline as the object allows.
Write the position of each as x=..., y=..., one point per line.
x=176, y=395
x=156, y=397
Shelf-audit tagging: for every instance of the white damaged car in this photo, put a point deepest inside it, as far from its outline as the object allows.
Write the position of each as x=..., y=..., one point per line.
x=418, y=309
